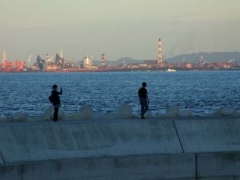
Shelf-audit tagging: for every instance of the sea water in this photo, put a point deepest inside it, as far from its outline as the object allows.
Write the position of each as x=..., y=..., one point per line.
x=202, y=92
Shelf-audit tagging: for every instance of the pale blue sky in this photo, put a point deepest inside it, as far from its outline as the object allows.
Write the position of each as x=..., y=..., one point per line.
x=118, y=28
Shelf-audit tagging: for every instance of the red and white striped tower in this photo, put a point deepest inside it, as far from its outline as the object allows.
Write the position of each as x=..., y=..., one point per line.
x=160, y=61
x=103, y=60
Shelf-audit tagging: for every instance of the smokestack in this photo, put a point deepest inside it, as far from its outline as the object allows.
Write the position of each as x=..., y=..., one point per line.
x=103, y=60
x=160, y=61
x=61, y=54
x=201, y=61
x=4, y=55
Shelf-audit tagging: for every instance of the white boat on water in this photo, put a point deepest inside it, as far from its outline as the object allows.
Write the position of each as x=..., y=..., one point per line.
x=170, y=70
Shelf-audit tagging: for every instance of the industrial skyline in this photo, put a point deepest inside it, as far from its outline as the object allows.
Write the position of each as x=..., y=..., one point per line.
x=60, y=64
x=103, y=62
x=88, y=60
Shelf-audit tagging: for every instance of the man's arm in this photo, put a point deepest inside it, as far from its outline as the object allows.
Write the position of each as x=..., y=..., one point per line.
x=147, y=96
x=60, y=91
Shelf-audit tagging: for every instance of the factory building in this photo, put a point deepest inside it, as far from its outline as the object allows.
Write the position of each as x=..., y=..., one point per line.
x=87, y=62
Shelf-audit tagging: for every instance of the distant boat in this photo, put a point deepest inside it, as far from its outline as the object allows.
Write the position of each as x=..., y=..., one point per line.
x=170, y=70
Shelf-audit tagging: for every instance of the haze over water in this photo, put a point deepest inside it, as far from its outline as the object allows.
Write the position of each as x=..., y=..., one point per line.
x=203, y=92
x=118, y=28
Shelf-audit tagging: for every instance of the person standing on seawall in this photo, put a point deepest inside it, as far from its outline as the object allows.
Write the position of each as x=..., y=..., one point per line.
x=56, y=101
x=143, y=98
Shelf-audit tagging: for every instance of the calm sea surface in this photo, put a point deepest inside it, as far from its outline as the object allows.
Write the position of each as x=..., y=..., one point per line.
x=203, y=92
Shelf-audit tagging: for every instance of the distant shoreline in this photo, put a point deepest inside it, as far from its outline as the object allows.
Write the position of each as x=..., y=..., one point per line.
x=121, y=70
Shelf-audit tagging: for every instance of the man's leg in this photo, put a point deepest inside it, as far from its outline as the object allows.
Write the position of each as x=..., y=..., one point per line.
x=55, y=114
x=142, y=108
x=145, y=107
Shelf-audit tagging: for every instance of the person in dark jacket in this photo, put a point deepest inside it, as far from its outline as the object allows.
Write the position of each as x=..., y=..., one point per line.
x=143, y=98
x=56, y=100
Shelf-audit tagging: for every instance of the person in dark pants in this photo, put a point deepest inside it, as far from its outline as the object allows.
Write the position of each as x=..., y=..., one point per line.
x=143, y=98
x=56, y=101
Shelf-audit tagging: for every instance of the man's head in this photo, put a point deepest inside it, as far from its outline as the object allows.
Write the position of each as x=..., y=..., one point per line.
x=54, y=87
x=144, y=84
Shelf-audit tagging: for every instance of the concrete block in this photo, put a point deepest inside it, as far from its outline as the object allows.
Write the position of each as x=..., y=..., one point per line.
x=101, y=178
x=10, y=172
x=45, y=176
x=206, y=165
x=55, y=170
x=218, y=164
x=182, y=174
x=1, y=159
x=19, y=117
x=100, y=163
x=127, y=170
x=226, y=111
x=176, y=165
x=157, y=176
x=74, y=164
x=156, y=164
x=100, y=173
x=216, y=178
x=128, y=165
x=134, y=177
x=119, y=177
x=182, y=162
x=182, y=166
x=129, y=161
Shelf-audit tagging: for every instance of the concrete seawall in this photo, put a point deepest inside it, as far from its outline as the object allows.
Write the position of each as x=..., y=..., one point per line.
x=49, y=141
x=216, y=135
x=122, y=149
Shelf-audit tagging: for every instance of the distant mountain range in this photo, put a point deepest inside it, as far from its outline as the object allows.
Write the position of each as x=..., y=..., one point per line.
x=192, y=58
x=208, y=57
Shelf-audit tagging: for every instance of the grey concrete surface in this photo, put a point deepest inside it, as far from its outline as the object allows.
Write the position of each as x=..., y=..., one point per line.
x=218, y=164
x=216, y=135
x=48, y=141
x=1, y=159
x=217, y=178
x=109, y=168
x=200, y=149
x=10, y=172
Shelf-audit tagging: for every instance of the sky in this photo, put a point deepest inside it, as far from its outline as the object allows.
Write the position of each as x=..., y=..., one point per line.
x=118, y=28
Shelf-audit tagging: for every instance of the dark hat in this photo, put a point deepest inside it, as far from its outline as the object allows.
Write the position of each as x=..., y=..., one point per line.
x=144, y=84
x=54, y=86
